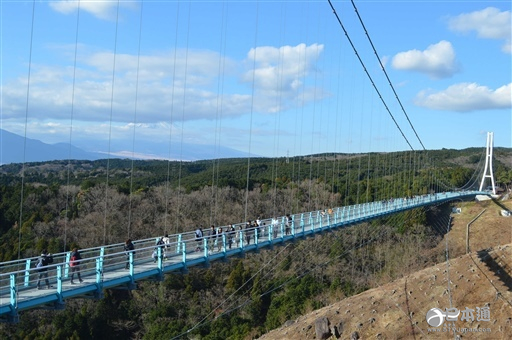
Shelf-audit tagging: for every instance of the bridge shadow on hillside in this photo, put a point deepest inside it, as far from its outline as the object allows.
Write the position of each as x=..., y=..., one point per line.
x=497, y=263
x=439, y=213
x=501, y=205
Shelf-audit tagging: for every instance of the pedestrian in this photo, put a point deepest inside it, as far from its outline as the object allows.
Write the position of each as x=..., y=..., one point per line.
x=213, y=239
x=128, y=248
x=220, y=238
x=274, y=227
x=159, y=244
x=231, y=234
x=199, y=238
x=248, y=232
x=74, y=263
x=42, y=267
x=167, y=242
x=289, y=223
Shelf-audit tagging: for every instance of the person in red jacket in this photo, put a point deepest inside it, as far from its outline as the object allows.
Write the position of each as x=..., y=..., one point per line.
x=74, y=263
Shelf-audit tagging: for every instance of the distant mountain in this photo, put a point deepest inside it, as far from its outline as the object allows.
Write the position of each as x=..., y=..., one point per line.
x=11, y=150
x=12, y=145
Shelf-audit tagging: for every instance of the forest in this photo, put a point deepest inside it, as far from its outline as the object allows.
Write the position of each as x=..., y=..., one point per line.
x=60, y=205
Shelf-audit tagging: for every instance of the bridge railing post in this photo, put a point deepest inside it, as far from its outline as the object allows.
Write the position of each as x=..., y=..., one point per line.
x=130, y=261
x=205, y=246
x=242, y=234
x=13, y=291
x=27, y=273
x=66, y=265
x=310, y=222
x=99, y=270
x=302, y=227
x=160, y=257
x=184, y=253
x=178, y=244
x=59, y=283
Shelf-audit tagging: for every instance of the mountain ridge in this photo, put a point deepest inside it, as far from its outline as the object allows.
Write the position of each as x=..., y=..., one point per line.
x=18, y=149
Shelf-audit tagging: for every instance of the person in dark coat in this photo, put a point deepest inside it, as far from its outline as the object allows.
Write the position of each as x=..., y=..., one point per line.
x=128, y=248
x=42, y=268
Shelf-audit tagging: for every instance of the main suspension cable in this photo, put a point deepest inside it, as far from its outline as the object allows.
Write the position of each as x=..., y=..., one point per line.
x=368, y=74
x=386, y=74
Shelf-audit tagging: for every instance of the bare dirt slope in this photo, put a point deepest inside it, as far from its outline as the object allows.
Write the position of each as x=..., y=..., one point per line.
x=482, y=278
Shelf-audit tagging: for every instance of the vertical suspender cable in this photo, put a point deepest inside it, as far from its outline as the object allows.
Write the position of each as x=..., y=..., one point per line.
x=20, y=225
x=1, y=83
x=252, y=111
x=369, y=163
x=223, y=68
x=302, y=104
x=183, y=118
x=167, y=183
x=218, y=121
x=295, y=181
x=310, y=184
x=135, y=121
x=110, y=129
x=277, y=117
x=360, y=158
x=71, y=126
x=337, y=128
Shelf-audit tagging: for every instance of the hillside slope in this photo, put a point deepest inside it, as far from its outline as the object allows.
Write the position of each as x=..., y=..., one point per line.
x=482, y=278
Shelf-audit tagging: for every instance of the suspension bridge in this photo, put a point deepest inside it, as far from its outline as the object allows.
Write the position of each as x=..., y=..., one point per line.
x=111, y=266
x=288, y=87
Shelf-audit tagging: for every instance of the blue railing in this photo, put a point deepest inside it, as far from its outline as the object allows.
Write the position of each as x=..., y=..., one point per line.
x=110, y=266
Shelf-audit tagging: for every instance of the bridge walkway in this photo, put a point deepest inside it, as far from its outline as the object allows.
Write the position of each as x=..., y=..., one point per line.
x=105, y=267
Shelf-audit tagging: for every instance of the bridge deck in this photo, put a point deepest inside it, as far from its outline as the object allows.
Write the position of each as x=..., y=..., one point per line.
x=104, y=267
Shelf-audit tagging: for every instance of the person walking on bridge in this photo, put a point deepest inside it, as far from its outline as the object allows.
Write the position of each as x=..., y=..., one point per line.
x=74, y=263
x=199, y=238
x=42, y=267
x=128, y=248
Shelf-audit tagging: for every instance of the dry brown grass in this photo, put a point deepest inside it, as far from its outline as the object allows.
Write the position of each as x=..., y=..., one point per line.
x=397, y=310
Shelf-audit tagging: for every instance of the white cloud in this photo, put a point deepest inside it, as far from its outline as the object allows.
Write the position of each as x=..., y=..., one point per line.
x=181, y=86
x=488, y=23
x=102, y=9
x=466, y=97
x=280, y=75
x=437, y=61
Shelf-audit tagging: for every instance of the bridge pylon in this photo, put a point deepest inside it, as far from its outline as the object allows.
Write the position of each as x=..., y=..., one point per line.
x=488, y=163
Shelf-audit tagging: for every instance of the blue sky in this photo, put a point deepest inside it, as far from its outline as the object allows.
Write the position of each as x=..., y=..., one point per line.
x=268, y=78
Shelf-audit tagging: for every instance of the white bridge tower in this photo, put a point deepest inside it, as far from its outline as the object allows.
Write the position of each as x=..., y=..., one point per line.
x=488, y=163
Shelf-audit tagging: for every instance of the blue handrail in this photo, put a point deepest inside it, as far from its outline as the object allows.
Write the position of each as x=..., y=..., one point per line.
x=104, y=267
